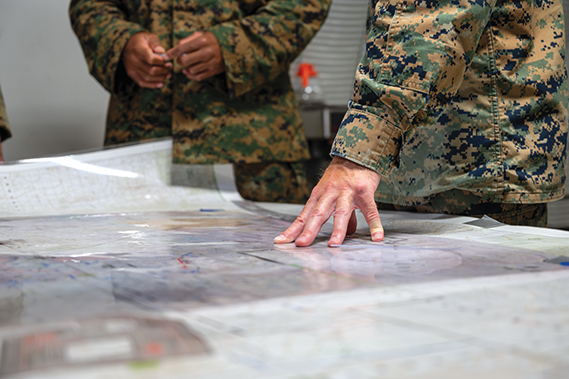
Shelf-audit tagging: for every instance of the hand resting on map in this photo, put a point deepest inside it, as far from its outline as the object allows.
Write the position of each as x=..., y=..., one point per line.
x=344, y=187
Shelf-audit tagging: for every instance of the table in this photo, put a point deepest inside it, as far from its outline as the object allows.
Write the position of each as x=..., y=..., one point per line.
x=117, y=264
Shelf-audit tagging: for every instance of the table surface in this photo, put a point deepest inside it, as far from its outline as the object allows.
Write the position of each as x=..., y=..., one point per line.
x=109, y=270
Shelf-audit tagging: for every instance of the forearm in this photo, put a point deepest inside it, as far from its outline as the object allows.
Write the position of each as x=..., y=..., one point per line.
x=415, y=61
x=261, y=46
x=103, y=30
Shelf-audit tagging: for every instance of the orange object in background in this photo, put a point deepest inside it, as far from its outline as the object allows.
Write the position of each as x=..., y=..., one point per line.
x=306, y=71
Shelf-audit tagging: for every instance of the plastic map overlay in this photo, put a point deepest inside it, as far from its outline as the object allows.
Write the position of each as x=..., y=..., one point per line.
x=110, y=270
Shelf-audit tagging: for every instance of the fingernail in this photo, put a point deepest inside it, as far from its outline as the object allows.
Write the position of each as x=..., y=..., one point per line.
x=378, y=236
x=334, y=242
x=279, y=238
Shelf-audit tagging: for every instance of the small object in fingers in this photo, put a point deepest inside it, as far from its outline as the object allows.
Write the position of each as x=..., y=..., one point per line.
x=162, y=55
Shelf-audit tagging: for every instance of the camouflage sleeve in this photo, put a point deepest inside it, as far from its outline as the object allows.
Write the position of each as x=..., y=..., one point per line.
x=416, y=55
x=103, y=30
x=4, y=126
x=260, y=46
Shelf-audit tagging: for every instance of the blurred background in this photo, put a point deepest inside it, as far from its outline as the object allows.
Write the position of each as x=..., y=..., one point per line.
x=55, y=107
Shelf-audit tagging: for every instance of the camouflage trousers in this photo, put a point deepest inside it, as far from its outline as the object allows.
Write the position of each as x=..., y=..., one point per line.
x=275, y=182
x=464, y=203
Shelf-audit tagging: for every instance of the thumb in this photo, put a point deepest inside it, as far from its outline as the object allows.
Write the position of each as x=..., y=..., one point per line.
x=154, y=44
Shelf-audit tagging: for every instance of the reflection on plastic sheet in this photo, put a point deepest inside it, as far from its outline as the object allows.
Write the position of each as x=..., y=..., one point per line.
x=181, y=260
x=132, y=178
x=95, y=266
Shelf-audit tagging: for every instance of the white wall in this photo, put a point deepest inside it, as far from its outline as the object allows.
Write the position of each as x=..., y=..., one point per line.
x=54, y=106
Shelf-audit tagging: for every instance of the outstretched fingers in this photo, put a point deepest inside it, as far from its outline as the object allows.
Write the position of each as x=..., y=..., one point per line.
x=293, y=231
x=296, y=228
x=369, y=210
x=342, y=216
x=317, y=217
x=344, y=187
x=305, y=228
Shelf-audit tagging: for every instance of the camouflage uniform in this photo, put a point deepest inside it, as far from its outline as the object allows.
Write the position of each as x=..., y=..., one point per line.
x=4, y=126
x=246, y=115
x=458, y=100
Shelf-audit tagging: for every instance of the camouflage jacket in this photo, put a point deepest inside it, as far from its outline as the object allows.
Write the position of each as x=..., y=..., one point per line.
x=248, y=114
x=461, y=94
x=4, y=126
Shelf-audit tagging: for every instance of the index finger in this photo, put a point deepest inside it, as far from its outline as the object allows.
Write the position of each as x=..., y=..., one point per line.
x=185, y=46
x=294, y=230
x=317, y=217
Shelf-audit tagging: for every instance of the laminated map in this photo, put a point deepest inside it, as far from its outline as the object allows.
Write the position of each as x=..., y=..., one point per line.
x=116, y=263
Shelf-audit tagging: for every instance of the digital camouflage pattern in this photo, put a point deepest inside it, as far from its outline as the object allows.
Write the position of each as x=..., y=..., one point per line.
x=460, y=202
x=274, y=182
x=246, y=115
x=4, y=126
x=461, y=94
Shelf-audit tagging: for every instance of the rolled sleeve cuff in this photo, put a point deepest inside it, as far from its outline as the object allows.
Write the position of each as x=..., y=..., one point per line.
x=370, y=140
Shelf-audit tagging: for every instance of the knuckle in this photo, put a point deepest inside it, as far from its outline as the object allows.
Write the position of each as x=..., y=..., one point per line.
x=301, y=220
x=317, y=213
x=341, y=212
x=371, y=214
x=315, y=193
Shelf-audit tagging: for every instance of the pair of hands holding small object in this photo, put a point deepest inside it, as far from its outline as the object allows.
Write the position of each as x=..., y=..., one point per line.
x=149, y=64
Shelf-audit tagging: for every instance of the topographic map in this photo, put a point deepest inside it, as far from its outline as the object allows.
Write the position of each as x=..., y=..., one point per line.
x=115, y=264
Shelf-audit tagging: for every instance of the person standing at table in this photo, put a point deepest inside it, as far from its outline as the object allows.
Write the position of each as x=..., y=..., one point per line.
x=459, y=107
x=211, y=74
